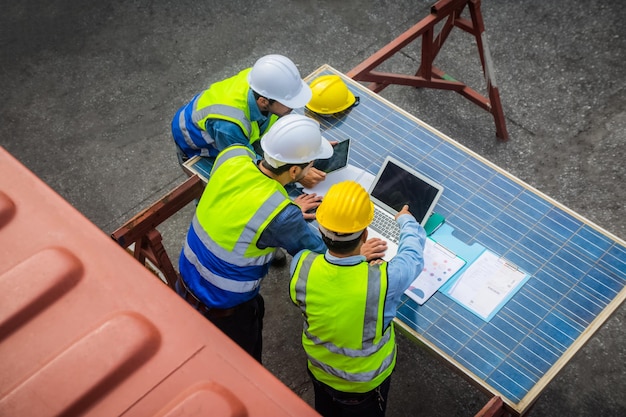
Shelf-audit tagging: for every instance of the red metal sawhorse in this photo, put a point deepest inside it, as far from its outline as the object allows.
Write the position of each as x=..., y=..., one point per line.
x=493, y=408
x=429, y=76
x=142, y=228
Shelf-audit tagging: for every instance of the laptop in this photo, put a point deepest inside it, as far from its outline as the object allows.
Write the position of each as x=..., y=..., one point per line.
x=339, y=160
x=395, y=185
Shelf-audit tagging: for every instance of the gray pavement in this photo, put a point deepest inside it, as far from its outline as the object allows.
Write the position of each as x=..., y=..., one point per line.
x=88, y=90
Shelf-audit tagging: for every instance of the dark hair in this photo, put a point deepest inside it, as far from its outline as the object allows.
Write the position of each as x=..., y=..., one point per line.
x=257, y=96
x=341, y=247
x=282, y=168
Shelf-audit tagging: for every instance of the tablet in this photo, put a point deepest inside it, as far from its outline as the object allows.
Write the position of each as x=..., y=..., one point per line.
x=339, y=160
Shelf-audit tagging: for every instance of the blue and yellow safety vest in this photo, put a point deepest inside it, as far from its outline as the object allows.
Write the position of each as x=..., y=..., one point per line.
x=220, y=261
x=224, y=100
x=344, y=337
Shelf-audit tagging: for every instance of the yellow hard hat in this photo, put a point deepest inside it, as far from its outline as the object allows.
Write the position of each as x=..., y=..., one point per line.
x=346, y=208
x=330, y=95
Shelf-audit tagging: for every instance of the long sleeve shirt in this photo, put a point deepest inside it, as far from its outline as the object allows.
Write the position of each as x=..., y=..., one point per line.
x=290, y=231
x=228, y=133
x=402, y=269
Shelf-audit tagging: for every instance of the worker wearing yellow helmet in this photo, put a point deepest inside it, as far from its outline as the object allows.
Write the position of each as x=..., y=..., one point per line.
x=330, y=95
x=348, y=304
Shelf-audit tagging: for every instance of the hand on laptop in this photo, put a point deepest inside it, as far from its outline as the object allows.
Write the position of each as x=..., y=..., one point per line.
x=374, y=249
x=308, y=202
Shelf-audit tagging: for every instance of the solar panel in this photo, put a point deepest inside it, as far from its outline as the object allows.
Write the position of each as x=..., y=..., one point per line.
x=578, y=270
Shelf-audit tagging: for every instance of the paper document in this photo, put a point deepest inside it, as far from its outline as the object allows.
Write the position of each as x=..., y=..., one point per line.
x=350, y=172
x=440, y=264
x=487, y=284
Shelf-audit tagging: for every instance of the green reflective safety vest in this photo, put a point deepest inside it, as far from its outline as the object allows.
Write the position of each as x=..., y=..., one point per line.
x=250, y=199
x=228, y=100
x=343, y=337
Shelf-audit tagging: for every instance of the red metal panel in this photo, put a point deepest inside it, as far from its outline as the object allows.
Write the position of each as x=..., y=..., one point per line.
x=85, y=329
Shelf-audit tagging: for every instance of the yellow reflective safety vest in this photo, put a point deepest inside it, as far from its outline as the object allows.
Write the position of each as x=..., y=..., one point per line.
x=224, y=100
x=228, y=100
x=343, y=308
x=223, y=263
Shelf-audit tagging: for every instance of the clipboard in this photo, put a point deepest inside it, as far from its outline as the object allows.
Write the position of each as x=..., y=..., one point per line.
x=486, y=285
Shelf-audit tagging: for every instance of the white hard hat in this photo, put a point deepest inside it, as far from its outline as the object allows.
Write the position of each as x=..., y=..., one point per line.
x=277, y=77
x=294, y=139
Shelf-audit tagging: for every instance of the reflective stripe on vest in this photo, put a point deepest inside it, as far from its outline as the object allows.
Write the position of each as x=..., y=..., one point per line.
x=372, y=320
x=224, y=100
x=229, y=113
x=234, y=243
x=353, y=376
x=222, y=283
x=228, y=100
x=204, y=151
x=232, y=152
x=236, y=256
x=371, y=313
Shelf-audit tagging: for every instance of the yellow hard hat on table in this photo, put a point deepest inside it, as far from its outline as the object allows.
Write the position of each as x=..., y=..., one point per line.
x=330, y=95
x=345, y=210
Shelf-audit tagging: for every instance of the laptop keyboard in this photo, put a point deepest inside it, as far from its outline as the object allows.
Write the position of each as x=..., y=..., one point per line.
x=385, y=225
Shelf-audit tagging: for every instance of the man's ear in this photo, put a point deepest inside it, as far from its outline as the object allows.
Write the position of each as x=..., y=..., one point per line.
x=263, y=103
x=364, y=236
x=294, y=172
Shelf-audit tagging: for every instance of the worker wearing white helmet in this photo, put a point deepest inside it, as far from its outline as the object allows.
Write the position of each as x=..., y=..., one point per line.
x=240, y=110
x=243, y=215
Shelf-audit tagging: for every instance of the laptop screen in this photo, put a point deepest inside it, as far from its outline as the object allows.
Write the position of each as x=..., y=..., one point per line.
x=397, y=185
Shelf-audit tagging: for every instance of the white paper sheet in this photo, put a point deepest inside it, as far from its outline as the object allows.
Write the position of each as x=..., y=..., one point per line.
x=440, y=264
x=487, y=284
x=350, y=172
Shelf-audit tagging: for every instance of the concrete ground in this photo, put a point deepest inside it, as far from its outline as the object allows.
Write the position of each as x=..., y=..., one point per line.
x=88, y=90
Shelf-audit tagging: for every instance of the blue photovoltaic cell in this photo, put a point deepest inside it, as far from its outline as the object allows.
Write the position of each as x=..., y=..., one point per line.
x=575, y=270
x=616, y=259
x=601, y=282
x=502, y=333
x=512, y=381
x=556, y=332
x=590, y=243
